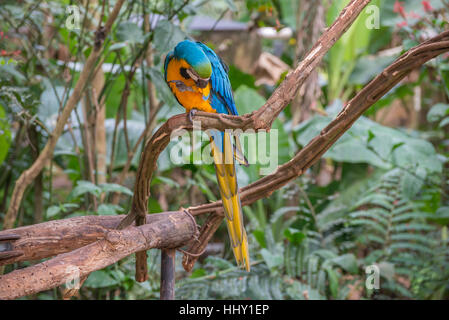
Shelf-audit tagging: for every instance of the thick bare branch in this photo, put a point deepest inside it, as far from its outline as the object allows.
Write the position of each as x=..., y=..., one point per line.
x=48, y=239
x=172, y=230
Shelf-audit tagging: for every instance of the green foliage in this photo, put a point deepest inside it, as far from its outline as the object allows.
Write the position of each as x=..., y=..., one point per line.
x=343, y=55
x=84, y=187
x=227, y=282
x=5, y=135
x=166, y=36
x=399, y=232
x=369, y=142
x=438, y=113
x=130, y=33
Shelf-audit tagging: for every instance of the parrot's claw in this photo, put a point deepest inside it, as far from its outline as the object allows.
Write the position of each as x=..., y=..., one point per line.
x=192, y=113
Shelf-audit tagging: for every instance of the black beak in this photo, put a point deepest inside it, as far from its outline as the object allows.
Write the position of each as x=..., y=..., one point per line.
x=201, y=83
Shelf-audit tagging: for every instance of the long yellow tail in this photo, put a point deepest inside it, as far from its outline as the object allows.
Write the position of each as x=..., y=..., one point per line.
x=227, y=182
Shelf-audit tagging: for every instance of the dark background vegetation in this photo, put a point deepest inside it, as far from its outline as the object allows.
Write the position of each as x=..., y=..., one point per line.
x=378, y=197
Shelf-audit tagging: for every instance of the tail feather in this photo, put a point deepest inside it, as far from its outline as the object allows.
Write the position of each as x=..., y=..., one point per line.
x=238, y=153
x=227, y=182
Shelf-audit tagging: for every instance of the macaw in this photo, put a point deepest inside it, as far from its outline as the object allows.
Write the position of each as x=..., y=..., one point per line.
x=199, y=80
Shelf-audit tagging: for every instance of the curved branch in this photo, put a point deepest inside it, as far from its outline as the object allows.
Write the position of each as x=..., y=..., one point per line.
x=313, y=151
x=257, y=120
x=310, y=154
x=260, y=119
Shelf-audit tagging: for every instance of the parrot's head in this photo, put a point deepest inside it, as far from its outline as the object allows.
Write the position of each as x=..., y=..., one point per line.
x=200, y=68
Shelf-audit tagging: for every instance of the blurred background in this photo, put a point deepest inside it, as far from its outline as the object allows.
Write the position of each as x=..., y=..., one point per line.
x=376, y=204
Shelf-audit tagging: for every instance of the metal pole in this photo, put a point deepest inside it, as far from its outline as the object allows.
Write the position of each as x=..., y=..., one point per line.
x=168, y=274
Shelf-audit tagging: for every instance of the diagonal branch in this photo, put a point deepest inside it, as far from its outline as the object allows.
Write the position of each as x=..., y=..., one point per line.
x=313, y=151
x=258, y=120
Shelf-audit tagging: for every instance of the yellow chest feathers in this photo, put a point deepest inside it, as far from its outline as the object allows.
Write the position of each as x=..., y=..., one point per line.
x=188, y=94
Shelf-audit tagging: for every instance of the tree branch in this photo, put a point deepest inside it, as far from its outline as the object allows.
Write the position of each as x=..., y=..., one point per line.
x=48, y=239
x=169, y=230
x=261, y=119
x=313, y=151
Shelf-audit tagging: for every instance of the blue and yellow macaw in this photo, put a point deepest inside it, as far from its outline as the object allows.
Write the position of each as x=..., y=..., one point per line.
x=199, y=80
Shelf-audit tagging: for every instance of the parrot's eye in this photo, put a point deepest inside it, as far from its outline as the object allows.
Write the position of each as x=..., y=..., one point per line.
x=184, y=73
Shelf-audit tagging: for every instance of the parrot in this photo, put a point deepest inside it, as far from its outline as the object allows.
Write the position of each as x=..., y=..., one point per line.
x=199, y=80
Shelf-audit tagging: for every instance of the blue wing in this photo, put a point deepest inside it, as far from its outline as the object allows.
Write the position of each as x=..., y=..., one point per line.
x=222, y=98
x=167, y=60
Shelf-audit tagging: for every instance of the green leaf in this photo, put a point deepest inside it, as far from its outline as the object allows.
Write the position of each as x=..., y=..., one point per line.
x=369, y=67
x=441, y=216
x=272, y=260
x=53, y=211
x=5, y=135
x=443, y=212
x=239, y=78
x=113, y=187
x=413, y=182
x=387, y=147
x=348, y=48
x=294, y=236
x=8, y=69
x=444, y=122
x=84, y=187
x=166, y=36
x=107, y=209
x=333, y=281
x=347, y=262
x=218, y=263
x=129, y=32
x=247, y=99
x=154, y=206
x=117, y=46
x=437, y=112
x=198, y=273
x=260, y=237
x=100, y=279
